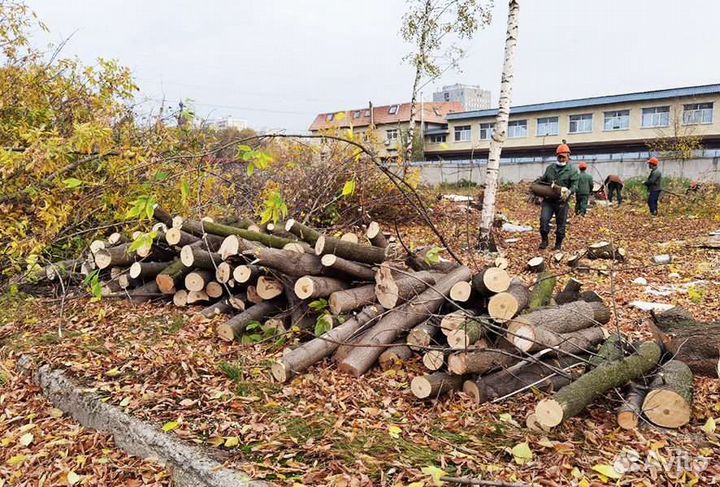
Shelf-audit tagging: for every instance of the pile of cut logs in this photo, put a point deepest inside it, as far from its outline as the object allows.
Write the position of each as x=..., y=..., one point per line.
x=487, y=333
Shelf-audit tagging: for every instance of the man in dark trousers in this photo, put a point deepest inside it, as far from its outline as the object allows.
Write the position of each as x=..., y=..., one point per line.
x=654, y=185
x=565, y=176
x=614, y=185
x=584, y=188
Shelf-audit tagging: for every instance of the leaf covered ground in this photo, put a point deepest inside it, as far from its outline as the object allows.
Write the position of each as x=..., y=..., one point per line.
x=166, y=365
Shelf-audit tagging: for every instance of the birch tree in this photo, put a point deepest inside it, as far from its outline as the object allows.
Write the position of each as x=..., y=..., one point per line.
x=501, y=124
x=426, y=26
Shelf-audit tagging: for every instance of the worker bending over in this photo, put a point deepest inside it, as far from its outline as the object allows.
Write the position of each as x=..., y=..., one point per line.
x=566, y=176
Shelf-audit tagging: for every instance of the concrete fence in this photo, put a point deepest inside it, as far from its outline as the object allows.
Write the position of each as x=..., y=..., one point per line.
x=703, y=169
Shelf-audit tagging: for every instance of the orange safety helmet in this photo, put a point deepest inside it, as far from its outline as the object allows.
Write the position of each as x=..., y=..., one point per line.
x=653, y=161
x=562, y=149
x=583, y=166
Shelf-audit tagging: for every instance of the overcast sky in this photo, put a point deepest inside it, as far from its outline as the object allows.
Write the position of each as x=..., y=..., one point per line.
x=277, y=63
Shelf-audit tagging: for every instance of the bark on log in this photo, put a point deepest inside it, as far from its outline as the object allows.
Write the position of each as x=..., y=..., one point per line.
x=176, y=237
x=146, y=270
x=222, y=307
x=542, y=325
x=395, y=356
x=613, y=348
x=467, y=334
x=199, y=258
x=399, y=321
x=435, y=385
x=351, y=299
x=545, y=190
x=541, y=374
x=143, y=294
x=302, y=357
x=491, y=280
x=269, y=287
x=573, y=398
x=694, y=342
x=62, y=269
x=235, y=326
x=200, y=228
x=481, y=361
x=669, y=402
x=353, y=269
x=348, y=250
x=570, y=293
x=169, y=279
x=508, y=304
x=422, y=335
x=253, y=296
x=114, y=256
x=290, y=263
x=303, y=232
x=391, y=291
x=628, y=414
x=417, y=262
x=376, y=236
x=318, y=287
x=605, y=250
x=542, y=291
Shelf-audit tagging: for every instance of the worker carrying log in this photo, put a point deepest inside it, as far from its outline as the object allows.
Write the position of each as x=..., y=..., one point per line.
x=654, y=185
x=565, y=176
x=613, y=187
x=584, y=188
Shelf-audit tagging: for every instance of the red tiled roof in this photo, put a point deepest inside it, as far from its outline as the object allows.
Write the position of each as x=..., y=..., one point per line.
x=435, y=112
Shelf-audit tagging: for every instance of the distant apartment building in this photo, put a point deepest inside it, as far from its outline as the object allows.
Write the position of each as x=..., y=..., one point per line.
x=389, y=122
x=472, y=97
x=593, y=127
x=228, y=122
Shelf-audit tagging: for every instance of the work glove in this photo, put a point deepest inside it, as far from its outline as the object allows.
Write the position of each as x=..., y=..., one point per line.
x=564, y=193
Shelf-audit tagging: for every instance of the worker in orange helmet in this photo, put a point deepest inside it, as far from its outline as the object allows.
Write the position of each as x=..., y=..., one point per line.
x=654, y=185
x=565, y=176
x=584, y=188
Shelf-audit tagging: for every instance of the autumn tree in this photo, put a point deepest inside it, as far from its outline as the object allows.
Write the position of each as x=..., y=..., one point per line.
x=678, y=140
x=427, y=26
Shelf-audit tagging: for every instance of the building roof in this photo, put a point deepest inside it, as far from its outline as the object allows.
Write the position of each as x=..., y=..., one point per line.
x=595, y=101
x=434, y=112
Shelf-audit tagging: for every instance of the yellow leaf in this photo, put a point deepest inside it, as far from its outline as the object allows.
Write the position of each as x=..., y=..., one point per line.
x=522, y=453
x=55, y=412
x=81, y=460
x=114, y=372
x=168, y=427
x=232, y=441
x=26, y=439
x=16, y=460
x=576, y=473
x=546, y=443
x=394, y=431
x=5, y=442
x=416, y=484
x=709, y=426
x=607, y=471
x=507, y=418
x=72, y=478
x=216, y=441
x=583, y=483
x=435, y=474
x=125, y=402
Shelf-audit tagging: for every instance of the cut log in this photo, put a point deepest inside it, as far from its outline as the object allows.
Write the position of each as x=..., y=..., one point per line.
x=491, y=280
x=279, y=230
x=590, y=297
x=275, y=326
x=197, y=297
x=600, y=250
x=394, y=356
x=434, y=359
x=199, y=258
x=110, y=287
x=668, y=403
x=422, y=335
x=299, y=359
x=351, y=299
x=127, y=282
x=417, y=261
x=116, y=238
x=628, y=414
x=349, y=237
x=146, y=270
x=288, y=262
x=96, y=245
x=662, y=259
x=246, y=273
x=455, y=320
x=508, y=304
x=349, y=250
x=573, y=398
x=434, y=385
x=558, y=257
x=142, y=294
x=694, y=342
x=299, y=247
x=461, y=292
x=399, y=321
x=62, y=269
x=201, y=228
x=540, y=375
x=176, y=237
x=530, y=331
x=542, y=291
x=235, y=326
x=170, y=278
x=613, y=348
x=536, y=264
x=303, y=232
x=180, y=298
x=196, y=280
x=238, y=301
x=481, y=361
x=549, y=191
x=469, y=332
x=347, y=267
x=222, y=307
x=214, y=289
x=119, y=256
x=577, y=342
x=501, y=263
x=318, y=287
x=224, y=272
x=376, y=236
x=234, y=245
x=268, y=287
x=391, y=291
x=570, y=293
x=253, y=296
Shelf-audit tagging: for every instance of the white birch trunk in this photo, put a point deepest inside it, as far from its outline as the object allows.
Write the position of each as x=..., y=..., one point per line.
x=416, y=83
x=501, y=125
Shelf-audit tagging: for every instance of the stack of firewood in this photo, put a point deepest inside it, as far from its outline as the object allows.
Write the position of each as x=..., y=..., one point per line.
x=486, y=333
